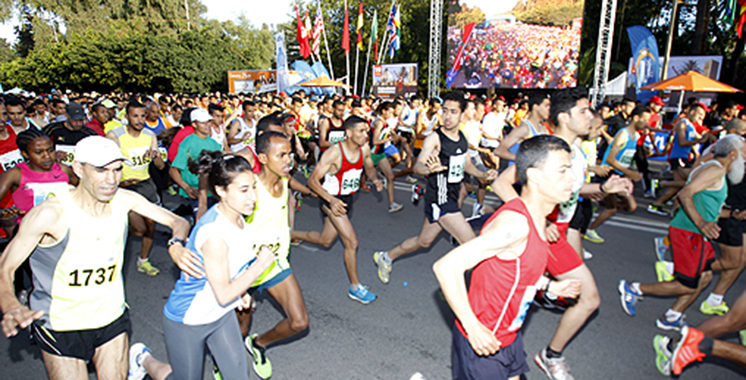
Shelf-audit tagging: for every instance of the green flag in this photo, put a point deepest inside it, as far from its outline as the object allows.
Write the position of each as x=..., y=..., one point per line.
x=730, y=11
x=374, y=34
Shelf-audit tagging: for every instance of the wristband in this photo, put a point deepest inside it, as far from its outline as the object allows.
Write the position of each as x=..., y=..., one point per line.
x=175, y=240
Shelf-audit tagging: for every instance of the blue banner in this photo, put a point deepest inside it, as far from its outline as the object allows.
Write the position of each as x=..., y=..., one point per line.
x=644, y=60
x=660, y=139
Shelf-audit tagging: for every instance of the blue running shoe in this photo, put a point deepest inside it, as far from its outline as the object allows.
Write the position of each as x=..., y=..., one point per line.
x=628, y=297
x=660, y=247
x=362, y=294
x=663, y=324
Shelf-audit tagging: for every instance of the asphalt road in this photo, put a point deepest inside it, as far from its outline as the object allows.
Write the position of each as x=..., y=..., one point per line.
x=408, y=329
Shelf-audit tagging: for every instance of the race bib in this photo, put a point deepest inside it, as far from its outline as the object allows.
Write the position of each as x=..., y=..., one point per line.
x=138, y=157
x=41, y=190
x=336, y=136
x=68, y=154
x=11, y=159
x=249, y=139
x=456, y=168
x=627, y=158
x=528, y=298
x=164, y=153
x=350, y=181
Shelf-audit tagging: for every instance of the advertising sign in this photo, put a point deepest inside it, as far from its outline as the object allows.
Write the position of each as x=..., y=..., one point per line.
x=252, y=81
x=392, y=80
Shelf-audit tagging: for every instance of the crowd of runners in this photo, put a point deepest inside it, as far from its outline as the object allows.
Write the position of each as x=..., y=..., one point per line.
x=84, y=175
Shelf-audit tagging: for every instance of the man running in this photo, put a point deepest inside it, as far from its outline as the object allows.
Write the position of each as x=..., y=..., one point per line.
x=16, y=113
x=242, y=132
x=443, y=160
x=331, y=130
x=65, y=134
x=531, y=126
x=270, y=222
x=508, y=260
x=341, y=167
x=76, y=242
x=384, y=136
x=690, y=232
x=140, y=146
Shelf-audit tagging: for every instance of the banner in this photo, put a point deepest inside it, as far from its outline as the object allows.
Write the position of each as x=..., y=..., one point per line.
x=660, y=139
x=252, y=81
x=645, y=57
x=282, y=62
x=392, y=80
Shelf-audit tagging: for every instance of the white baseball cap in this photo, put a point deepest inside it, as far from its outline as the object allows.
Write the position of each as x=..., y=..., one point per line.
x=98, y=151
x=200, y=115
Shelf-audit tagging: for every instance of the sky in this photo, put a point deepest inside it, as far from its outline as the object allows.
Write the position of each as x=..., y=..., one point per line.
x=492, y=7
x=271, y=12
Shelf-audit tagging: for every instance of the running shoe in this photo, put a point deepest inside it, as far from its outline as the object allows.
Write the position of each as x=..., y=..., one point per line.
x=706, y=308
x=298, y=199
x=742, y=337
x=411, y=179
x=394, y=207
x=663, y=323
x=555, y=368
x=662, y=354
x=416, y=194
x=628, y=297
x=362, y=294
x=215, y=371
x=365, y=187
x=476, y=210
x=260, y=362
x=661, y=272
x=648, y=194
x=593, y=237
x=138, y=351
x=587, y=255
x=306, y=172
x=148, y=268
x=660, y=247
x=384, y=270
x=385, y=182
x=657, y=210
x=687, y=350
x=653, y=187
x=296, y=242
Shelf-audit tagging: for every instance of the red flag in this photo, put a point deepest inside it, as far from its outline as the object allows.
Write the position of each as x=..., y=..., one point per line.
x=741, y=18
x=302, y=36
x=360, y=27
x=346, y=32
x=309, y=32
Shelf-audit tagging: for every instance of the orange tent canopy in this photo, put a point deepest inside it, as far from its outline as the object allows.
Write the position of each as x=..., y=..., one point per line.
x=322, y=82
x=691, y=81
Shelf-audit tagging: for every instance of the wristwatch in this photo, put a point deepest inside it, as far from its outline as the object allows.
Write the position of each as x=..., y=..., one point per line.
x=175, y=240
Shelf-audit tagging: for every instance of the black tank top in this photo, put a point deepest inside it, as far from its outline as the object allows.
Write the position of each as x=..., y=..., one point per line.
x=443, y=186
x=736, y=195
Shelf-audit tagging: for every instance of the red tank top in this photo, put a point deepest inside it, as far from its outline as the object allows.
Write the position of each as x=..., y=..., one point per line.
x=346, y=180
x=501, y=291
x=10, y=156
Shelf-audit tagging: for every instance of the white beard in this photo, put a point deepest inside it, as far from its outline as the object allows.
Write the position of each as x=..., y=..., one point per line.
x=735, y=174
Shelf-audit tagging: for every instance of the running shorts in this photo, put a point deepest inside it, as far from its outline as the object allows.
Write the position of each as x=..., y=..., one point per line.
x=510, y=361
x=391, y=150
x=147, y=189
x=344, y=198
x=683, y=163
x=377, y=158
x=409, y=136
x=81, y=344
x=731, y=232
x=692, y=255
x=562, y=256
x=583, y=215
x=434, y=211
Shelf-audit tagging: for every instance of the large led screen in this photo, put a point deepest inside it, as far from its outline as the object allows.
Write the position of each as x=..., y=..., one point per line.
x=513, y=43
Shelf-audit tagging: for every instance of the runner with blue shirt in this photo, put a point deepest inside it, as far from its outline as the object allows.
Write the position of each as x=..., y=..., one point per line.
x=199, y=312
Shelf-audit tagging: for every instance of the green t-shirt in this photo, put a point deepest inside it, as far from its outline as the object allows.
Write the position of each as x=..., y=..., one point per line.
x=192, y=147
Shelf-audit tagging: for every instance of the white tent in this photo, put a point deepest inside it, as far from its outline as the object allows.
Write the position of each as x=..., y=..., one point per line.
x=616, y=86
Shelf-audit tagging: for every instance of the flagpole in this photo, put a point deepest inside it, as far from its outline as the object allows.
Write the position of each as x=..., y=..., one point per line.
x=347, y=52
x=383, y=44
x=328, y=55
x=367, y=60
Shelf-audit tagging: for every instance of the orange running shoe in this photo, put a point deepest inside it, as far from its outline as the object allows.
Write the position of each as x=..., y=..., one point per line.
x=687, y=350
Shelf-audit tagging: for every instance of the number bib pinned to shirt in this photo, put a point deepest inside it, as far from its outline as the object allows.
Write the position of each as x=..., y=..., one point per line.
x=456, y=168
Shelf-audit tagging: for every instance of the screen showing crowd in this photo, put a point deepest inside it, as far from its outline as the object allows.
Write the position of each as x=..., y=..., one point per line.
x=514, y=43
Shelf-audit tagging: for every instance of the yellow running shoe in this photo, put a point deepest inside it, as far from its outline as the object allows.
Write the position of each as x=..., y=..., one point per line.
x=661, y=272
x=706, y=308
x=148, y=268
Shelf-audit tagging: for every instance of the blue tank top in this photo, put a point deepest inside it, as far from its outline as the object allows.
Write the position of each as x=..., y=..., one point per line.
x=626, y=155
x=514, y=149
x=678, y=151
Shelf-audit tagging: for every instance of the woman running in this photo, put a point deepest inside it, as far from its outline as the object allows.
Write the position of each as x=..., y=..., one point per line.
x=199, y=311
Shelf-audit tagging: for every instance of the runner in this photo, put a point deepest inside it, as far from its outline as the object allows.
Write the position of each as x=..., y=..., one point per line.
x=341, y=167
x=139, y=145
x=153, y=120
x=572, y=118
x=690, y=231
x=16, y=115
x=100, y=116
x=531, y=126
x=270, y=222
x=508, y=261
x=242, y=131
x=383, y=136
x=330, y=128
x=409, y=118
x=443, y=161
x=199, y=312
x=619, y=157
x=682, y=155
x=77, y=311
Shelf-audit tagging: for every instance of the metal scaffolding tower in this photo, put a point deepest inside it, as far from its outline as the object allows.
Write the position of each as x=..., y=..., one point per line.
x=603, y=50
x=433, y=79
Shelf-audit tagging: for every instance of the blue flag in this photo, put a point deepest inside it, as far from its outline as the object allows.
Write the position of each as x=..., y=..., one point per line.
x=645, y=63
